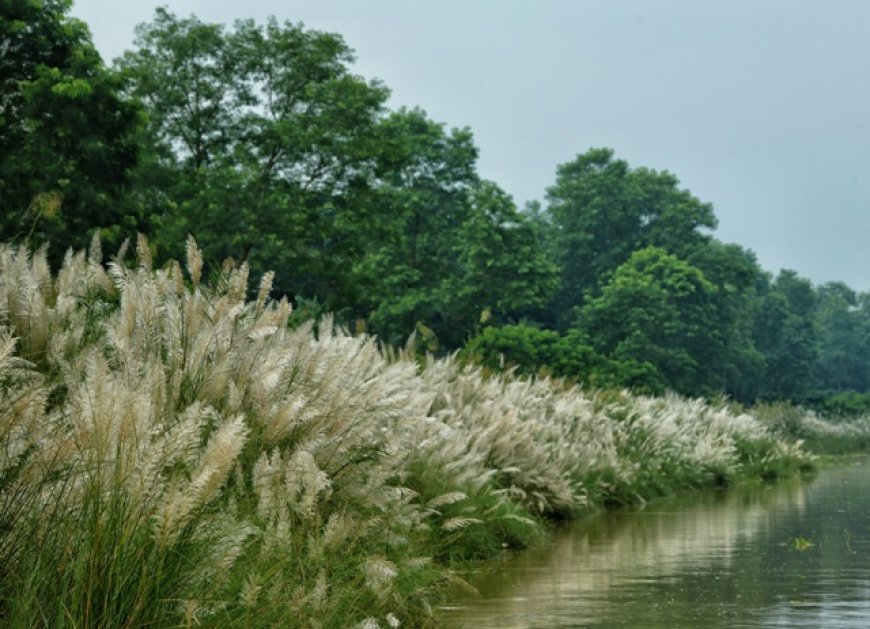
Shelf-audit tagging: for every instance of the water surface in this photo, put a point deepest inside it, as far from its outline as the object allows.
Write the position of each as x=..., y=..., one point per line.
x=791, y=554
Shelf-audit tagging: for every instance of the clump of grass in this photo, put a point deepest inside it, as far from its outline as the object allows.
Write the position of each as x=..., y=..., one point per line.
x=175, y=454
x=188, y=458
x=836, y=435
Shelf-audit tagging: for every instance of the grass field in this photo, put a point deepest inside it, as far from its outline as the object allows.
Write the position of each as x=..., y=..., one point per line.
x=175, y=454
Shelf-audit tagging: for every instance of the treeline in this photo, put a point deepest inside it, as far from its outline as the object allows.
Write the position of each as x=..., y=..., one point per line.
x=262, y=143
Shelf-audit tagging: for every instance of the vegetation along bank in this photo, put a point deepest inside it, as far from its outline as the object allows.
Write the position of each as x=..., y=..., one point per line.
x=177, y=454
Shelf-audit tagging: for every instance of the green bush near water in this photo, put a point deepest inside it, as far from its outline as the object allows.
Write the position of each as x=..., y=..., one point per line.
x=177, y=455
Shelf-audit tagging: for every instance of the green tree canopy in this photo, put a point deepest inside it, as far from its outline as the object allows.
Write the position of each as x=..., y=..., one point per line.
x=602, y=211
x=736, y=365
x=423, y=193
x=68, y=140
x=656, y=309
x=269, y=144
x=504, y=271
x=844, y=340
x=449, y=248
x=786, y=334
x=267, y=148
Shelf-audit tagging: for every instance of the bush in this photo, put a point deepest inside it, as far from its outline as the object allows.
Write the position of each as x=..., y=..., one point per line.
x=525, y=348
x=846, y=404
x=530, y=351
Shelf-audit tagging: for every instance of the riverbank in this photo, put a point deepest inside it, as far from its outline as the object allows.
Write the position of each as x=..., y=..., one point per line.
x=176, y=455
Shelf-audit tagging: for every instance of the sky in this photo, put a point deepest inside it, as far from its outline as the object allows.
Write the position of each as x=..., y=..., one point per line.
x=760, y=107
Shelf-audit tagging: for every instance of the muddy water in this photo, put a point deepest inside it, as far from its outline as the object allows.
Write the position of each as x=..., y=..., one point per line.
x=791, y=554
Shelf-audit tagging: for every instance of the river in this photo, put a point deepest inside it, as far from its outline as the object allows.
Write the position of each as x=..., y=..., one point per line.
x=791, y=554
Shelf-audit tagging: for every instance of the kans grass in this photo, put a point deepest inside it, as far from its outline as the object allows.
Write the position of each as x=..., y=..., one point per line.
x=174, y=454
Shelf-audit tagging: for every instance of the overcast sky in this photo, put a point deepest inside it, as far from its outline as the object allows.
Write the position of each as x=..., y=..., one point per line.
x=758, y=106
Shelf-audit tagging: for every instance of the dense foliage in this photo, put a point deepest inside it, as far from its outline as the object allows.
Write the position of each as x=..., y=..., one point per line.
x=68, y=138
x=260, y=141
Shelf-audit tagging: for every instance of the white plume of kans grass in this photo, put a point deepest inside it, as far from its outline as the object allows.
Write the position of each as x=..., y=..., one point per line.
x=554, y=445
x=181, y=391
x=682, y=442
x=210, y=473
x=22, y=404
x=530, y=435
x=856, y=428
x=688, y=434
x=840, y=434
x=327, y=406
x=22, y=408
x=321, y=411
x=50, y=316
x=25, y=294
x=288, y=490
x=290, y=467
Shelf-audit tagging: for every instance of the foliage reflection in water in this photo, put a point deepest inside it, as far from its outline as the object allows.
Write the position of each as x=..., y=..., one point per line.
x=793, y=554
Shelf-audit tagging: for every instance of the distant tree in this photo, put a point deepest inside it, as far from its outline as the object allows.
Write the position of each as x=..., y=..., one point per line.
x=657, y=309
x=786, y=334
x=529, y=350
x=68, y=139
x=736, y=365
x=504, y=274
x=450, y=251
x=268, y=149
x=424, y=192
x=844, y=340
x=525, y=348
x=601, y=212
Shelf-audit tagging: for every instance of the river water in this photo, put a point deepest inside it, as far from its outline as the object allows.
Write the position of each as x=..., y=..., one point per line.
x=791, y=554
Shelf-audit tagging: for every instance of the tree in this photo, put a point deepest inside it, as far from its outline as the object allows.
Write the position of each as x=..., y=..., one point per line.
x=425, y=184
x=274, y=153
x=656, y=309
x=602, y=211
x=452, y=252
x=844, y=340
x=504, y=274
x=525, y=348
x=529, y=351
x=269, y=144
x=735, y=273
x=786, y=334
x=68, y=139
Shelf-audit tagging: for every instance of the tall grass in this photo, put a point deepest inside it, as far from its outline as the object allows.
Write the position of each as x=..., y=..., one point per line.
x=836, y=435
x=174, y=454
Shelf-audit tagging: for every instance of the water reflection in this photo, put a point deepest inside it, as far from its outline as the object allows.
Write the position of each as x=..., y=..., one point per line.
x=793, y=554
